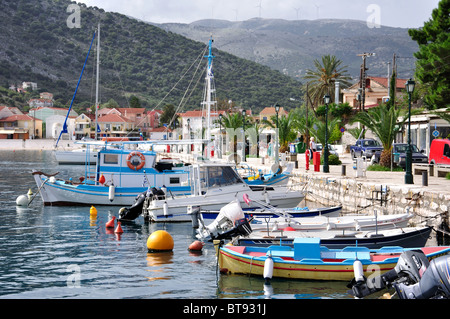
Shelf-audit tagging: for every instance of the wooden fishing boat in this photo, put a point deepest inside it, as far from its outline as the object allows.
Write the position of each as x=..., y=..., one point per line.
x=309, y=260
x=407, y=237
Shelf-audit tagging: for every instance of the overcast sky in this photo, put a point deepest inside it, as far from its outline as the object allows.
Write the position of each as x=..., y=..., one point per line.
x=395, y=13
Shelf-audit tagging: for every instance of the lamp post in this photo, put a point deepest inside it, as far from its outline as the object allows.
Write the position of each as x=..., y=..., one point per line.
x=326, y=168
x=277, y=109
x=220, y=136
x=410, y=84
x=243, y=137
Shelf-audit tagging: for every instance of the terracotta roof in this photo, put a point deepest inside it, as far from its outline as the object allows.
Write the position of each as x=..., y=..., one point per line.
x=384, y=81
x=113, y=118
x=160, y=129
x=270, y=110
x=18, y=117
x=197, y=113
x=124, y=110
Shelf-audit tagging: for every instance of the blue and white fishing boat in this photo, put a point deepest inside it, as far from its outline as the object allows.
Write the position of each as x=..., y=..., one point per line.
x=120, y=174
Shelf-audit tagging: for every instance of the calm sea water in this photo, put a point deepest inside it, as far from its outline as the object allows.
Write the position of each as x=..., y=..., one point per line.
x=59, y=252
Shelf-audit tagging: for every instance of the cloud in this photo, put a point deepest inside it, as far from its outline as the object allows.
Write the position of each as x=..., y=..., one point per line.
x=398, y=13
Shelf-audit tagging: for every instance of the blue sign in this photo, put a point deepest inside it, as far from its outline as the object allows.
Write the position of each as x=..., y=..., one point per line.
x=435, y=133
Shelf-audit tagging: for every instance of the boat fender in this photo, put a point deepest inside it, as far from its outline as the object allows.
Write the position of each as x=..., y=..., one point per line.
x=166, y=209
x=118, y=229
x=268, y=268
x=267, y=198
x=110, y=223
x=22, y=200
x=358, y=271
x=112, y=192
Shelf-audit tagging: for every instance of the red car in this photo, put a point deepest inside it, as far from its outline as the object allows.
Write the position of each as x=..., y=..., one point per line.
x=440, y=151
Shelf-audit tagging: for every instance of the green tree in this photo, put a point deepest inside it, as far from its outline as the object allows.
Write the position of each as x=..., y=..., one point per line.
x=384, y=121
x=168, y=115
x=286, y=129
x=323, y=77
x=433, y=57
x=135, y=102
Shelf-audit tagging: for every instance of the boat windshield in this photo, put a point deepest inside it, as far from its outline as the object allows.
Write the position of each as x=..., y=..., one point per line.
x=217, y=176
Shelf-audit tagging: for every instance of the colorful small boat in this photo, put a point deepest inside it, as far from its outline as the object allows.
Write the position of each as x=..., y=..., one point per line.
x=311, y=261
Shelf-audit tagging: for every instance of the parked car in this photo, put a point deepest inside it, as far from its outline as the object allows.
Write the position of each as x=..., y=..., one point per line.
x=399, y=154
x=331, y=149
x=440, y=151
x=365, y=147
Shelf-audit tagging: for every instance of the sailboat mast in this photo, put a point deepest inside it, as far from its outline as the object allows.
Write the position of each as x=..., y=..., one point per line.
x=209, y=90
x=96, y=88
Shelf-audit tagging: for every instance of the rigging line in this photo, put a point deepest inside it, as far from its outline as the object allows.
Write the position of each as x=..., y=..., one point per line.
x=184, y=74
x=191, y=92
x=118, y=75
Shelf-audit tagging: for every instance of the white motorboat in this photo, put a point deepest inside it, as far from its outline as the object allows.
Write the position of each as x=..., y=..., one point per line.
x=214, y=186
x=76, y=157
x=346, y=222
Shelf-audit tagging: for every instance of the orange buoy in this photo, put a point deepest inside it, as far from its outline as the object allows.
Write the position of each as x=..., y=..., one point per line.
x=110, y=224
x=160, y=240
x=196, y=246
x=289, y=228
x=102, y=179
x=118, y=229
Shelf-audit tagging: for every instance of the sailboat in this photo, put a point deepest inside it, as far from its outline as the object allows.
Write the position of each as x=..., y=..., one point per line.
x=81, y=156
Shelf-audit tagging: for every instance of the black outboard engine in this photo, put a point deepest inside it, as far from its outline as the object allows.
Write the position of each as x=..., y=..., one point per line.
x=135, y=210
x=434, y=284
x=414, y=277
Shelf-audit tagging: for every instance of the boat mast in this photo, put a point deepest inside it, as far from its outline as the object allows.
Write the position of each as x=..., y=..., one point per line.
x=96, y=88
x=210, y=90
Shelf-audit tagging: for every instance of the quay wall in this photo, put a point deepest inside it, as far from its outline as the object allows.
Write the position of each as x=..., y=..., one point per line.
x=358, y=196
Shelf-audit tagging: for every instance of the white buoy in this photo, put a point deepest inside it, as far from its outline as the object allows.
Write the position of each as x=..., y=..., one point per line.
x=268, y=268
x=166, y=209
x=267, y=198
x=22, y=200
x=112, y=192
x=358, y=271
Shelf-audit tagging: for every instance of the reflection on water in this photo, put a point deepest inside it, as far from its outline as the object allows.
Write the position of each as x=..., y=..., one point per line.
x=61, y=252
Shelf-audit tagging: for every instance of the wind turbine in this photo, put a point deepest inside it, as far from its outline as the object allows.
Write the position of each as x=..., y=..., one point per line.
x=317, y=7
x=297, y=10
x=260, y=7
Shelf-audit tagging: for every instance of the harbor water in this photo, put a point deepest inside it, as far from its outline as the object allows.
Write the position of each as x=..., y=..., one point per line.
x=63, y=253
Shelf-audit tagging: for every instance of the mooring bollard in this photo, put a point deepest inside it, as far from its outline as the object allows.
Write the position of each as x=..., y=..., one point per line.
x=424, y=178
x=343, y=170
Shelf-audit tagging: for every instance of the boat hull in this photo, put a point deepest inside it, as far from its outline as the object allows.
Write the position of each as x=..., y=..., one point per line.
x=177, y=209
x=232, y=260
x=59, y=193
x=415, y=237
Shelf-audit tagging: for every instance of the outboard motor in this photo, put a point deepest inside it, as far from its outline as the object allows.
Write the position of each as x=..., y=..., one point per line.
x=135, y=210
x=434, y=284
x=414, y=277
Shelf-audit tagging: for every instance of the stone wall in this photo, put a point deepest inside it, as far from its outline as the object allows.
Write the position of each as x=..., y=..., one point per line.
x=362, y=197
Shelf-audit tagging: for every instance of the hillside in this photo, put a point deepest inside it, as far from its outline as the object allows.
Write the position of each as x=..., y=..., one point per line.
x=136, y=59
x=292, y=46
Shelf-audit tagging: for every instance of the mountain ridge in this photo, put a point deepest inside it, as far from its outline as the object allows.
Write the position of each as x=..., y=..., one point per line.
x=290, y=46
x=136, y=59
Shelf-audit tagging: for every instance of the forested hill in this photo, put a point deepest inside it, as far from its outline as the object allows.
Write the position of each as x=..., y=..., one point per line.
x=136, y=59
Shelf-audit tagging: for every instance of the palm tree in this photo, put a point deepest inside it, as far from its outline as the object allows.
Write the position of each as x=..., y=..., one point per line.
x=318, y=131
x=286, y=130
x=232, y=121
x=384, y=122
x=322, y=79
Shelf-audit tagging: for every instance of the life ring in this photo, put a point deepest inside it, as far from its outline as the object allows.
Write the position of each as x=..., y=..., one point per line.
x=131, y=160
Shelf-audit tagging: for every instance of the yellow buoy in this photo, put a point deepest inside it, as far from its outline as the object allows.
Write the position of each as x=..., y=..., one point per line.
x=93, y=211
x=160, y=240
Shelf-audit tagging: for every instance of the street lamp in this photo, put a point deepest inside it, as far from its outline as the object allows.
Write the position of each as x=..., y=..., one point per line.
x=410, y=84
x=277, y=109
x=220, y=135
x=326, y=168
x=243, y=136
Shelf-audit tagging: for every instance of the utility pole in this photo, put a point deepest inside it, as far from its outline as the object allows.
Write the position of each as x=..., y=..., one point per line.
x=362, y=83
